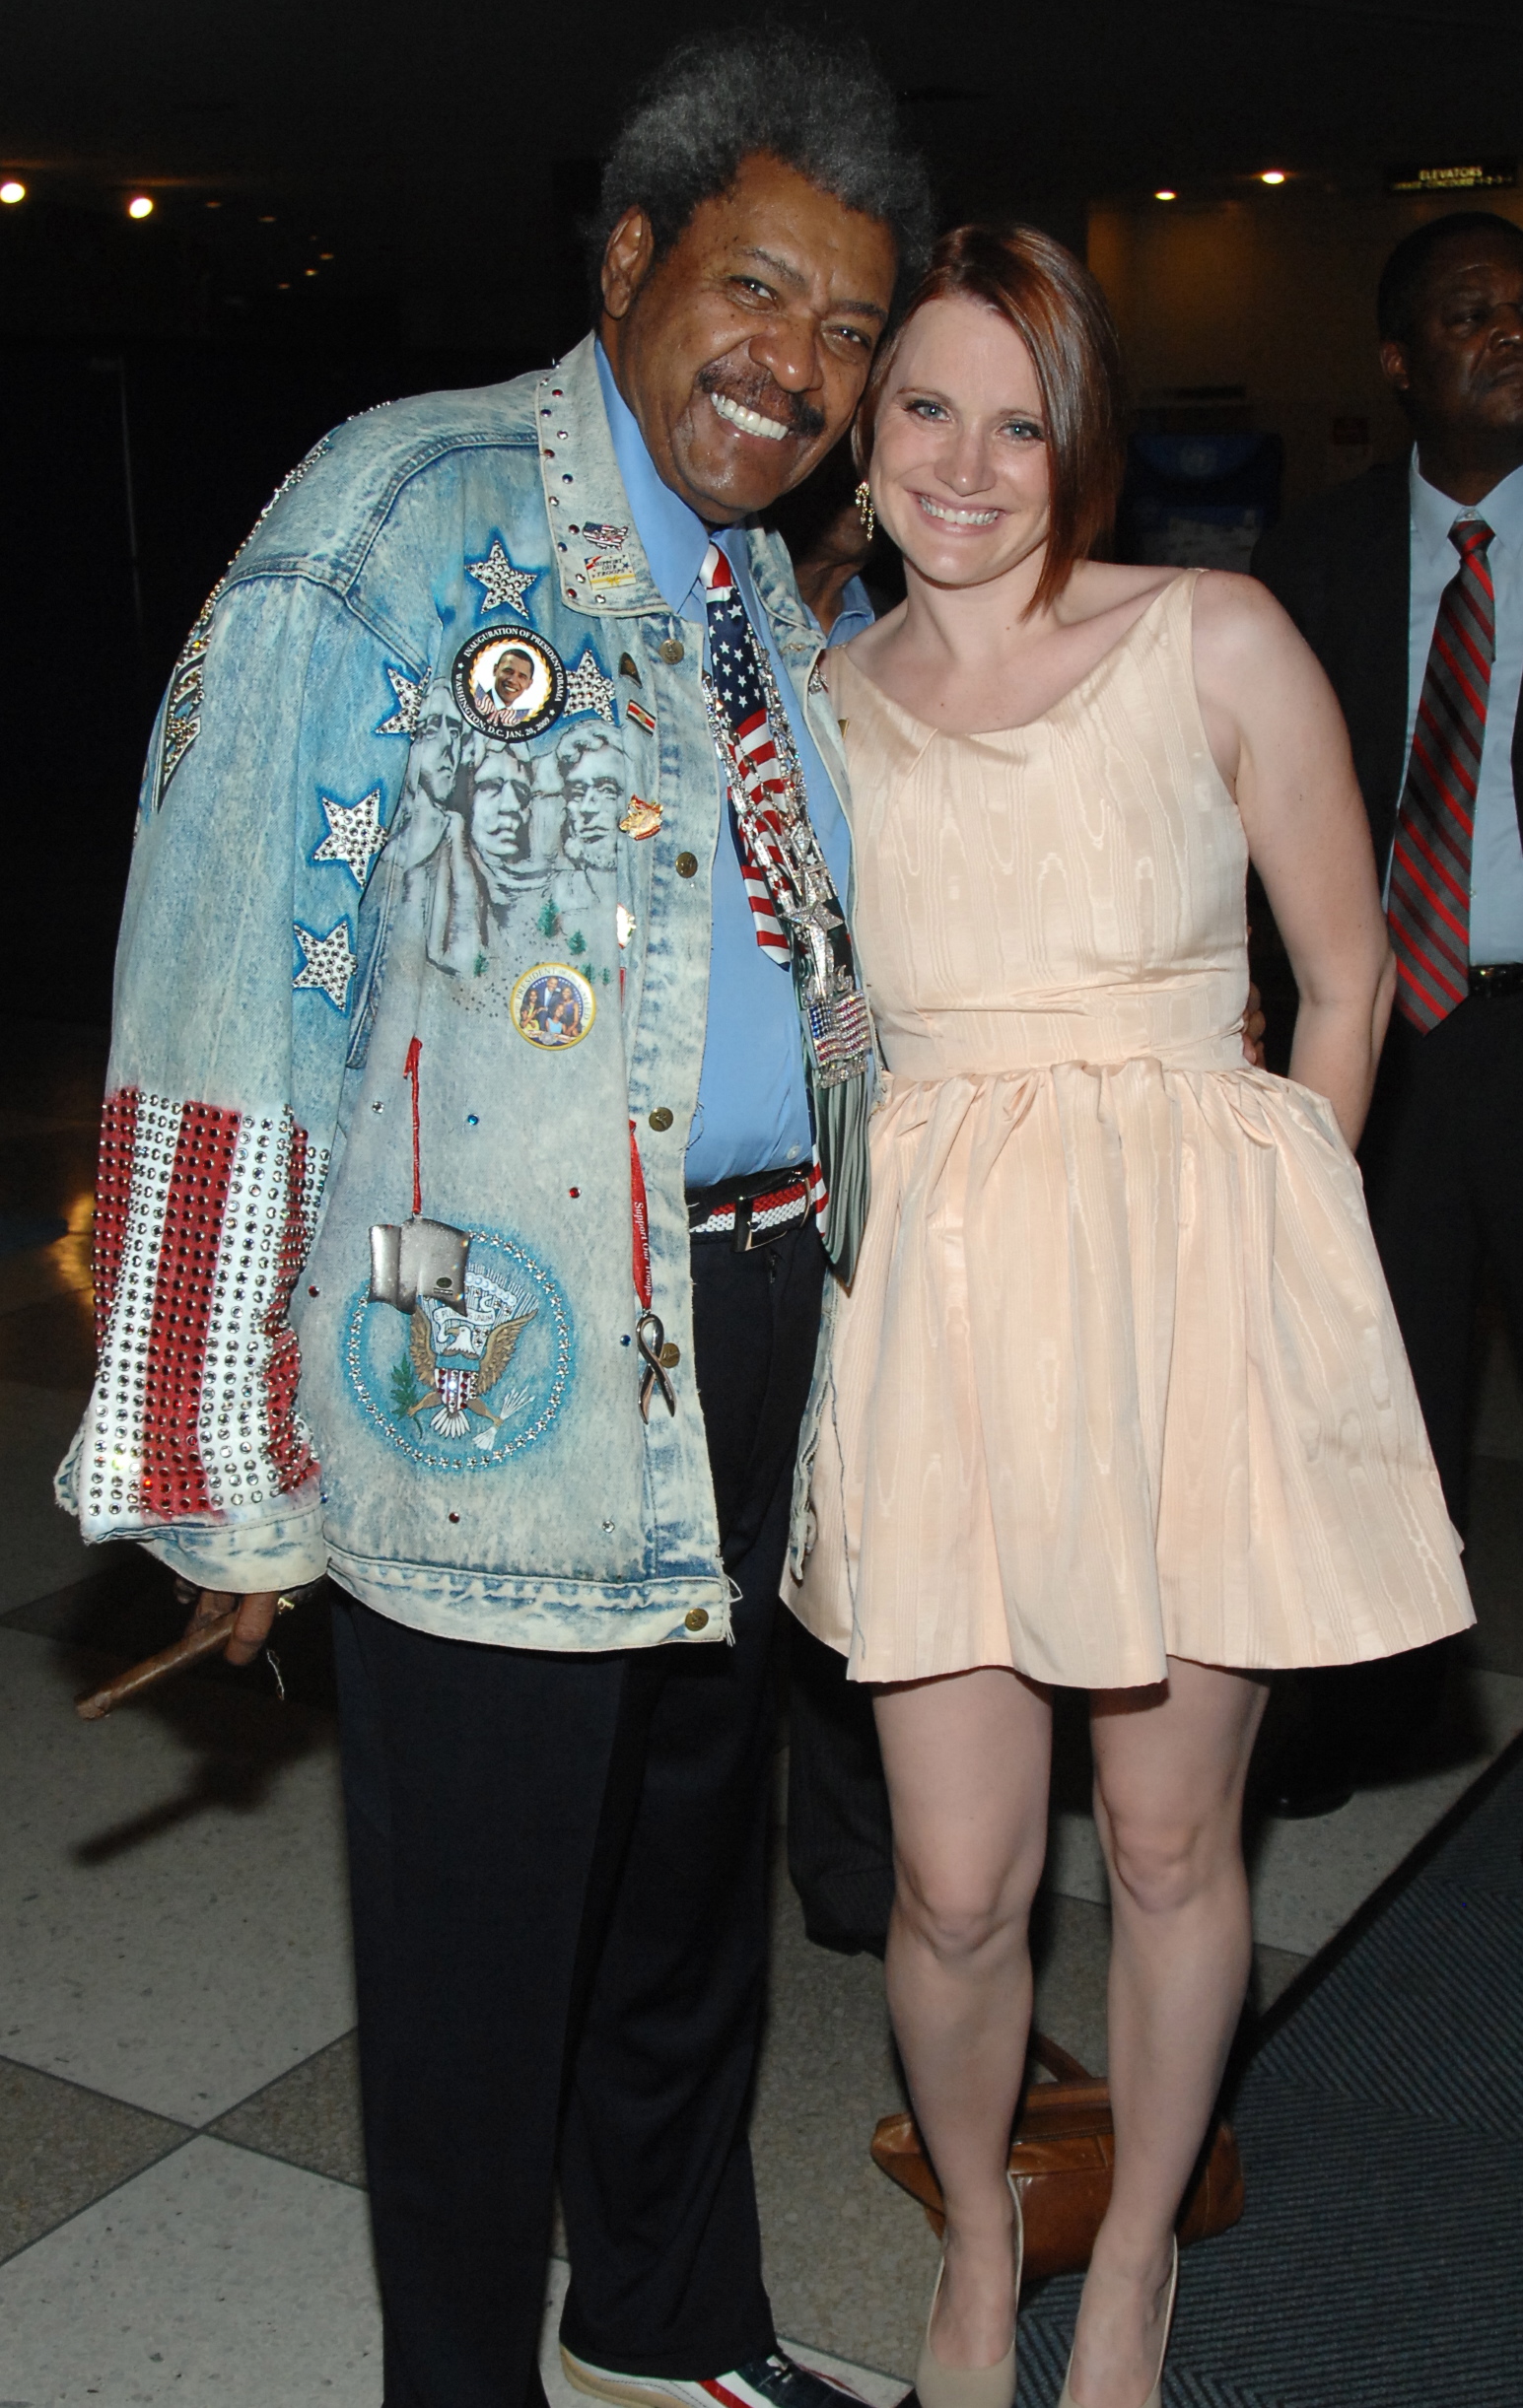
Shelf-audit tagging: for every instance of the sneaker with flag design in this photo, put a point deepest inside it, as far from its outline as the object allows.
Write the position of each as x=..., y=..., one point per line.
x=774, y=2382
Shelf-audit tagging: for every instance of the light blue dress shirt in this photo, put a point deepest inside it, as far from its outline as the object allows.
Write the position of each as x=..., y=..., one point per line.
x=854, y=614
x=1497, y=853
x=753, y=1105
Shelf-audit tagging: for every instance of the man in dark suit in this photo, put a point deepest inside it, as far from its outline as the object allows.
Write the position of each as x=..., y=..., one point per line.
x=1407, y=583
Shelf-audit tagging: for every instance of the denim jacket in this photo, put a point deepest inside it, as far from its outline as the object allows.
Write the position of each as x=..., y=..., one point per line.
x=418, y=927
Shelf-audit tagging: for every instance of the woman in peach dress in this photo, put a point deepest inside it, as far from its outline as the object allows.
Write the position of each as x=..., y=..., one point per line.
x=1117, y=1400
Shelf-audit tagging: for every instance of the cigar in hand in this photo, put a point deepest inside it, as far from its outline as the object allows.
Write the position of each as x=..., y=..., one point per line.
x=206, y=1639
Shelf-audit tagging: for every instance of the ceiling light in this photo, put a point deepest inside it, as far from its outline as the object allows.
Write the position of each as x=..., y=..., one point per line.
x=140, y=206
x=325, y=255
x=214, y=204
x=308, y=271
x=11, y=192
x=266, y=220
x=1165, y=194
x=1273, y=175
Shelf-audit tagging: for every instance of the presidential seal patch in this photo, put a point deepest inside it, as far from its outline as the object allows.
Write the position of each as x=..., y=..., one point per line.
x=465, y=1387
x=508, y=682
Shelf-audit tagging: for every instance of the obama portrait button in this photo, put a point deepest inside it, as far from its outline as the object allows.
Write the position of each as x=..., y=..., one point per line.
x=508, y=682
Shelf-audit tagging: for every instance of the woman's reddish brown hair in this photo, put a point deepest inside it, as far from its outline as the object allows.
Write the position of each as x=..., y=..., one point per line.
x=1061, y=315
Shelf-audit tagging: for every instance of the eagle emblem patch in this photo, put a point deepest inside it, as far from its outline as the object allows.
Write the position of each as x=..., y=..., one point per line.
x=474, y=1383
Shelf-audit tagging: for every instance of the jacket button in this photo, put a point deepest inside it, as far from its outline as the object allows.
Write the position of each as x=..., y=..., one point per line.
x=695, y=1620
x=687, y=864
x=672, y=648
x=660, y=1118
x=671, y=1357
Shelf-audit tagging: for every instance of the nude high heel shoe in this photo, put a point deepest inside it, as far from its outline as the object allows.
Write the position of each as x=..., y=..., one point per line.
x=939, y=2387
x=1155, y=2398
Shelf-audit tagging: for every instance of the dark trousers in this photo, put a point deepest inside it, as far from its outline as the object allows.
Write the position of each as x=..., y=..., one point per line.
x=840, y=1836
x=1442, y=1157
x=1443, y=1171
x=558, y=1874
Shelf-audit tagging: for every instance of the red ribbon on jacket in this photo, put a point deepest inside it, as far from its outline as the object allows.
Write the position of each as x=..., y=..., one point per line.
x=641, y=1216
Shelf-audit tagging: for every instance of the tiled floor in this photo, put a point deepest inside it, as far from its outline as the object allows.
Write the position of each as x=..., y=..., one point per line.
x=181, y=2212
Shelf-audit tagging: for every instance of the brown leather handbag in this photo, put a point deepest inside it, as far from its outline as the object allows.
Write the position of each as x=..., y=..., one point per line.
x=1061, y=2158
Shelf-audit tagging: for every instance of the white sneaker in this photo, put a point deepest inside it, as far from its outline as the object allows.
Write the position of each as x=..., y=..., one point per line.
x=775, y=2382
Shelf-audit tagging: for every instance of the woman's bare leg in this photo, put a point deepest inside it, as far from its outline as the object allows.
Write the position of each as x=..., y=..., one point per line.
x=1170, y=1765
x=967, y=1760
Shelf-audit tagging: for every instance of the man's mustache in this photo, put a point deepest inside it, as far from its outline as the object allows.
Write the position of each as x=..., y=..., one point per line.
x=768, y=399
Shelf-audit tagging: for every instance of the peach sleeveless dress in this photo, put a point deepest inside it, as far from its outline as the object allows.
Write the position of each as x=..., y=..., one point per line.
x=1118, y=1377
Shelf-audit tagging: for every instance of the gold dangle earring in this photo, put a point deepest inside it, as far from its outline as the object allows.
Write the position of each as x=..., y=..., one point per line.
x=862, y=497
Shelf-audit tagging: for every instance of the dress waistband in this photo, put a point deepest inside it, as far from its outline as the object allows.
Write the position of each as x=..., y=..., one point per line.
x=996, y=1045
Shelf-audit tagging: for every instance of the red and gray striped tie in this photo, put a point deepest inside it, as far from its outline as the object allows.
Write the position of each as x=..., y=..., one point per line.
x=1429, y=905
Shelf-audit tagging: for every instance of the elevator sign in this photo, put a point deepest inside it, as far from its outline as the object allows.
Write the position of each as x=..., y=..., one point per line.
x=1458, y=175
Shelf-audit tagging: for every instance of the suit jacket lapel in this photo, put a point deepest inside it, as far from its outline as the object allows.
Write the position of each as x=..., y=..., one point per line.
x=1377, y=714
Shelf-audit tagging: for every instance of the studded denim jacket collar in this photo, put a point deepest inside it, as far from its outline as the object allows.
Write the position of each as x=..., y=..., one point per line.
x=579, y=475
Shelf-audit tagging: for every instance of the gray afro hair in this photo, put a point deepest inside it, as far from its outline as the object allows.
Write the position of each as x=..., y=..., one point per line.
x=821, y=105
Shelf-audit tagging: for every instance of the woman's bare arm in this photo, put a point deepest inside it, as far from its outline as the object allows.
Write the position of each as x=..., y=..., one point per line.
x=1280, y=741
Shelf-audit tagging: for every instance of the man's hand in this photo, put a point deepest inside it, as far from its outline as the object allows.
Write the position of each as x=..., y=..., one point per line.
x=255, y=1618
x=1254, y=1025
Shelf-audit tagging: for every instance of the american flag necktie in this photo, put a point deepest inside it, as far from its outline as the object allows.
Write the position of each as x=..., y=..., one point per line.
x=794, y=909
x=1428, y=903
x=738, y=683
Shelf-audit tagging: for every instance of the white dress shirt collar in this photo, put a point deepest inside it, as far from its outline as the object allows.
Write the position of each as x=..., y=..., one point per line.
x=1434, y=513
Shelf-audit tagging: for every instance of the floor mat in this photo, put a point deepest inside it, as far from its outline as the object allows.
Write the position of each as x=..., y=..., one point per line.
x=1379, y=2262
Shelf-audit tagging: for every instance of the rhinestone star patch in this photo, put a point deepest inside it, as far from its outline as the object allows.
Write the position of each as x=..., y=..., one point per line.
x=408, y=692
x=327, y=962
x=588, y=689
x=502, y=586
x=355, y=834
